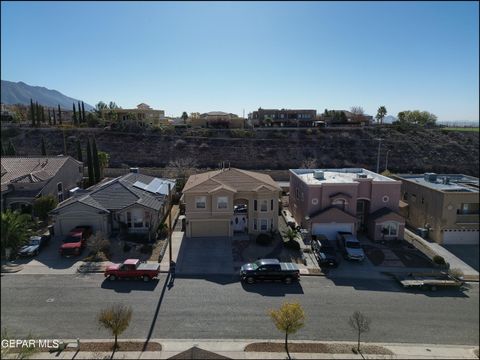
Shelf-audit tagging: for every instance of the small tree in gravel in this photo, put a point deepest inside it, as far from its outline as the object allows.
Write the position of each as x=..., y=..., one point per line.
x=289, y=318
x=290, y=234
x=115, y=318
x=360, y=323
x=98, y=243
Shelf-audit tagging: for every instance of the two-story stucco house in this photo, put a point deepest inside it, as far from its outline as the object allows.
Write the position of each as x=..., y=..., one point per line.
x=228, y=201
x=326, y=201
x=25, y=178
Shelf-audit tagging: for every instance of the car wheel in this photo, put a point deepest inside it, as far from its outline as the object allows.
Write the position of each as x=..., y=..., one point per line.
x=112, y=278
x=250, y=280
x=146, y=278
x=288, y=280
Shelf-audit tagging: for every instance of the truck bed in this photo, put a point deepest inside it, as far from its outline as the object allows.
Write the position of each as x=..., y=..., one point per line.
x=148, y=267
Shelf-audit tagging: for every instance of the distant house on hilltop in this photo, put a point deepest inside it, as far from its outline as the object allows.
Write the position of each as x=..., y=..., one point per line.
x=143, y=115
x=216, y=119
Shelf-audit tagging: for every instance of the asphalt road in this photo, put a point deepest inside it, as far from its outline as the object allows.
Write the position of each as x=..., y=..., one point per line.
x=65, y=306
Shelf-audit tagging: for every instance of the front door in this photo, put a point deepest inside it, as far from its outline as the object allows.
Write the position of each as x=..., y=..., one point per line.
x=240, y=222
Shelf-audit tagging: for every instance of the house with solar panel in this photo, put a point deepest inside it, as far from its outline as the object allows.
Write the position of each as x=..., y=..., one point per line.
x=135, y=203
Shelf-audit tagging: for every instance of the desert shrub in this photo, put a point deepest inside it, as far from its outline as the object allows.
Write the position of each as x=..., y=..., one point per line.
x=456, y=273
x=292, y=245
x=203, y=146
x=263, y=239
x=180, y=144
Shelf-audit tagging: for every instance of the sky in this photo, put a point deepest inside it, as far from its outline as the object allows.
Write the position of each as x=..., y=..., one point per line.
x=239, y=56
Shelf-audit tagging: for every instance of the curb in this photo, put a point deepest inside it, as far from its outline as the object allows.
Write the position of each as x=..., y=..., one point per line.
x=10, y=269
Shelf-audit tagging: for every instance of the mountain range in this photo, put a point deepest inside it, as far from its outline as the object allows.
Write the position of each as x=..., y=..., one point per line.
x=21, y=93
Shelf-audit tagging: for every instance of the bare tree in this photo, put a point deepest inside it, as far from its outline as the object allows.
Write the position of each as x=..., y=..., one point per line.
x=357, y=110
x=181, y=169
x=115, y=318
x=98, y=243
x=360, y=323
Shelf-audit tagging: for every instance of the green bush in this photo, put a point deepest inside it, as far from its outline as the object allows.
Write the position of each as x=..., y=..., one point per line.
x=146, y=249
x=292, y=245
x=264, y=239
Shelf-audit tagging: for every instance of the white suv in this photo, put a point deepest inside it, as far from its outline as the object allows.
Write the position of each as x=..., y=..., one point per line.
x=350, y=246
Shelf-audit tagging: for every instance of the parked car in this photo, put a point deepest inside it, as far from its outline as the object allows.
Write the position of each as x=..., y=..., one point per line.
x=34, y=245
x=350, y=246
x=324, y=252
x=132, y=268
x=75, y=240
x=269, y=269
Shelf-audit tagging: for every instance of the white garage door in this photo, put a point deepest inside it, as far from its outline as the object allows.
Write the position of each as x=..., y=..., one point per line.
x=330, y=230
x=459, y=237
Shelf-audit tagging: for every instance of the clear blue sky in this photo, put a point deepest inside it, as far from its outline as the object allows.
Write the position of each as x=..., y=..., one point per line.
x=230, y=56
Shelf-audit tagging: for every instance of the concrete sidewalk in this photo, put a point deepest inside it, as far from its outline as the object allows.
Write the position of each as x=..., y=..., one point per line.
x=234, y=349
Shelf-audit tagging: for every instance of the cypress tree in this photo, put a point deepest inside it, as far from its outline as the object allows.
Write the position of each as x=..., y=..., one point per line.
x=59, y=115
x=91, y=176
x=54, y=118
x=83, y=111
x=11, y=149
x=96, y=162
x=32, y=112
x=80, y=118
x=49, y=117
x=42, y=112
x=79, y=151
x=44, y=148
x=74, y=115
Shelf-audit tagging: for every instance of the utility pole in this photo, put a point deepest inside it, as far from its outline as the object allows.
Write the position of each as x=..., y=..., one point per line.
x=170, y=224
x=378, y=154
x=386, y=160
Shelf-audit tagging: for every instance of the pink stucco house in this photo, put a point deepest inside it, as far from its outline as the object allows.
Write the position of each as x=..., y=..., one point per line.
x=326, y=201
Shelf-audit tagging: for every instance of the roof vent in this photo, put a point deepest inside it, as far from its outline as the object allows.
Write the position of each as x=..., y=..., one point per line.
x=446, y=180
x=319, y=175
x=134, y=170
x=362, y=176
x=430, y=177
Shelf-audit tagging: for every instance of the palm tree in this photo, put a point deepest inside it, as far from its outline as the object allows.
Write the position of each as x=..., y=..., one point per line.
x=381, y=112
x=16, y=228
x=103, y=161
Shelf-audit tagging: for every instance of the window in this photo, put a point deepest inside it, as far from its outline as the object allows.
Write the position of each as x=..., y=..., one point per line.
x=385, y=199
x=264, y=205
x=60, y=192
x=414, y=198
x=314, y=201
x=468, y=209
x=200, y=202
x=254, y=224
x=222, y=202
x=339, y=203
x=255, y=205
x=271, y=205
x=129, y=219
x=405, y=196
x=297, y=194
x=360, y=207
x=263, y=224
x=147, y=219
x=390, y=228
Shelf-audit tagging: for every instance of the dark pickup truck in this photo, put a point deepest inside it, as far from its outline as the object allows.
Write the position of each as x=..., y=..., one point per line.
x=269, y=269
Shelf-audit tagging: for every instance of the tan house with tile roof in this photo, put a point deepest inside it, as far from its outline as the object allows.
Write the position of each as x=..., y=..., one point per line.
x=25, y=178
x=230, y=201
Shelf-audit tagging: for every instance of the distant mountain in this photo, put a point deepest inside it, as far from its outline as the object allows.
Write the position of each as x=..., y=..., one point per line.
x=21, y=93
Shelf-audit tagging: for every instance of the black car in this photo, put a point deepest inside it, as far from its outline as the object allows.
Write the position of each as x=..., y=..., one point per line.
x=325, y=252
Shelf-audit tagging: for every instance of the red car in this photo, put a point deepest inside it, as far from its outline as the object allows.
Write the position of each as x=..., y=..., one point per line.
x=75, y=240
x=132, y=268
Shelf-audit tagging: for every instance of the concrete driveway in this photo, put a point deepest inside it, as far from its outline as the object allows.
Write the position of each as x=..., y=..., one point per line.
x=205, y=255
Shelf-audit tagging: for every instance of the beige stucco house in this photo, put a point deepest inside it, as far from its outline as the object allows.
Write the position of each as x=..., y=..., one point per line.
x=229, y=201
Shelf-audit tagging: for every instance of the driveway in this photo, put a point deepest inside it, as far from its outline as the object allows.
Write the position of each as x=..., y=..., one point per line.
x=205, y=255
x=467, y=253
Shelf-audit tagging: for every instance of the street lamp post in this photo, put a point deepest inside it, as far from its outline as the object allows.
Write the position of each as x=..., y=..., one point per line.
x=378, y=154
x=386, y=160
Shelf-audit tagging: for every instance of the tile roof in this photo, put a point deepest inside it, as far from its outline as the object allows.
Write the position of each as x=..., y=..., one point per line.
x=119, y=193
x=31, y=169
x=231, y=178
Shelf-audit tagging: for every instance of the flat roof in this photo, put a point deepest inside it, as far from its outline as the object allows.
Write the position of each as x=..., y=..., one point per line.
x=335, y=176
x=444, y=182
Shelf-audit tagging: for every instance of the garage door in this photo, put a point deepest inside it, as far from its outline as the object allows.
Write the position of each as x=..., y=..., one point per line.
x=330, y=230
x=67, y=224
x=460, y=237
x=210, y=228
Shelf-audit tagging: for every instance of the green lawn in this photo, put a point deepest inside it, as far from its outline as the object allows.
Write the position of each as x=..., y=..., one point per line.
x=475, y=129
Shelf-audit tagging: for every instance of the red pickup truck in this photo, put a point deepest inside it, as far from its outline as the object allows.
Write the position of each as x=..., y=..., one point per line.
x=75, y=240
x=132, y=268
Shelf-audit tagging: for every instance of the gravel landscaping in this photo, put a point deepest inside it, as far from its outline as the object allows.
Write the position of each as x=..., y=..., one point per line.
x=316, y=348
x=122, y=346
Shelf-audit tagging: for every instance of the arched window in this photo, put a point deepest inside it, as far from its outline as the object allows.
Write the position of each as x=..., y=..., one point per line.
x=390, y=228
x=339, y=203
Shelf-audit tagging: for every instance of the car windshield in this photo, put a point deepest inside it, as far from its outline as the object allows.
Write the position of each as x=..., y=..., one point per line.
x=34, y=242
x=72, y=239
x=256, y=264
x=353, y=244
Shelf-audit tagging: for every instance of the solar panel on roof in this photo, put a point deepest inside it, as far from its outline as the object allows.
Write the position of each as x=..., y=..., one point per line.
x=156, y=186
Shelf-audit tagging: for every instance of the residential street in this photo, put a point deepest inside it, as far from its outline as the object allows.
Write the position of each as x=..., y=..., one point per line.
x=65, y=306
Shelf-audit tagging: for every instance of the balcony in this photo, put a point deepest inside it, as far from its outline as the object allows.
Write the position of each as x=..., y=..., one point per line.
x=467, y=219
